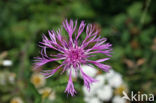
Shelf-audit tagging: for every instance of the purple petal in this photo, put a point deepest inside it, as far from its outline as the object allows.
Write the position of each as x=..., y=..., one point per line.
x=101, y=66
x=106, y=52
x=70, y=86
x=41, y=61
x=49, y=73
x=70, y=28
x=102, y=60
x=87, y=79
x=81, y=28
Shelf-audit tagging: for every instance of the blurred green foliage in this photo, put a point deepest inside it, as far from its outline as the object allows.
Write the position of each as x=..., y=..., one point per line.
x=126, y=23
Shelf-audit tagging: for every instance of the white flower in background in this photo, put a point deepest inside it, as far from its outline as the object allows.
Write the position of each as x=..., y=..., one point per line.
x=38, y=80
x=52, y=96
x=11, y=78
x=115, y=81
x=120, y=89
x=87, y=99
x=2, y=78
x=105, y=88
x=74, y=73
x=7, y=63
x=89, y=70
x=118, y=99
x=47, y=93
x=89, y=93
x=100, y=83
x=16, y=100
x=94, y=100
x=110, y=74
x=95, y=86
x=105, y=93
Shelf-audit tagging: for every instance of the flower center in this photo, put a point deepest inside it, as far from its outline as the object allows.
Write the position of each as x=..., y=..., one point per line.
x=75, y=55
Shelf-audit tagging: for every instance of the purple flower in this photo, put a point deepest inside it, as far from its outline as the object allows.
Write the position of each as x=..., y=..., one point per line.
x=74, y=53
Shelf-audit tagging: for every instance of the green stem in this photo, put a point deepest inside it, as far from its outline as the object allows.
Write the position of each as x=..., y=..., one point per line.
x=142, y=19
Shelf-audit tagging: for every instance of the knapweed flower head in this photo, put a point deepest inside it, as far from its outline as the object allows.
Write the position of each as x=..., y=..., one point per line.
x=74, y=53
